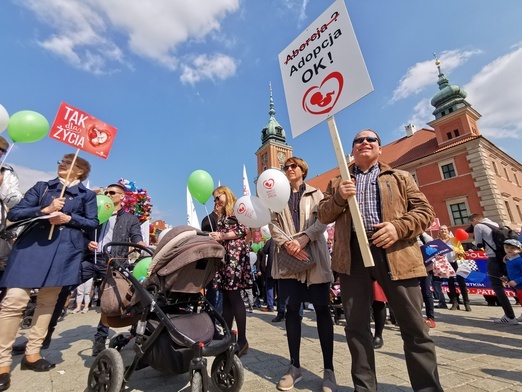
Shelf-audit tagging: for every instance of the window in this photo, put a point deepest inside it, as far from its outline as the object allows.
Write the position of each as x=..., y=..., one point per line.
x=516, y=179
x=495, y=167
x=448, y=171
x=456, y=131
x=449, y=135
x=506, y=173
x=519, y=212
x=459, y=213
x=508, y=209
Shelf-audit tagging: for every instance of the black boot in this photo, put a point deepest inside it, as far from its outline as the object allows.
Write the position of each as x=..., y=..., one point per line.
x=467, y=307
x=455, y=304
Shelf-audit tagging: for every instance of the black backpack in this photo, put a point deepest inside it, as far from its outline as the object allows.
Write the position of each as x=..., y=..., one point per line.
x=500, y=234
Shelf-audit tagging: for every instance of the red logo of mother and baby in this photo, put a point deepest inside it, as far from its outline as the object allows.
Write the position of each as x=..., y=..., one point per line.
x=322, y=99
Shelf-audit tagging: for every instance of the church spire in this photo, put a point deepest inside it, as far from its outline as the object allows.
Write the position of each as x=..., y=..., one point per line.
x=449, y=98
x=273, y=131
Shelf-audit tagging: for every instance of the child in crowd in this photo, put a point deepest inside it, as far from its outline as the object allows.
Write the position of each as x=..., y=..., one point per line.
x=83, y=294
x=513, y=260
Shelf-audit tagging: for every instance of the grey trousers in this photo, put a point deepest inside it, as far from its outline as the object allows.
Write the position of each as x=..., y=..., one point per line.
x=405, y=299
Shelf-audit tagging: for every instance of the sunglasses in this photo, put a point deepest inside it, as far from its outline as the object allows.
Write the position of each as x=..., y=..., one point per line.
x=292, y=166
x=3, y=150
x=216, y=199
x=68, y=163
x=112, y=193
x=369, y=139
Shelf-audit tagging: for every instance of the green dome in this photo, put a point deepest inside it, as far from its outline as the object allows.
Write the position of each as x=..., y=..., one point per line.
x=449, y=97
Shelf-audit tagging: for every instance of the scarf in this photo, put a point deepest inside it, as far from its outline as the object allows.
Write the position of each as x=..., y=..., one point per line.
x=68, y=184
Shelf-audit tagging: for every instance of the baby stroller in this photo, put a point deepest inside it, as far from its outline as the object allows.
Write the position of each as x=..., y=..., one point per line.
x=173, y=327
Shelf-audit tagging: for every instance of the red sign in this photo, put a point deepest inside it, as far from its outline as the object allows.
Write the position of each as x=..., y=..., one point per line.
x=83, y=131
x=435, y=225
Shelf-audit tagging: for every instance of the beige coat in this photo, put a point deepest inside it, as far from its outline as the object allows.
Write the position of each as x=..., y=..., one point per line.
x=402, y=204
x=309, y=226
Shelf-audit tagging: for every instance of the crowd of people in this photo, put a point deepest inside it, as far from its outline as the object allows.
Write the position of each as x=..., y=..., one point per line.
x=64, y=252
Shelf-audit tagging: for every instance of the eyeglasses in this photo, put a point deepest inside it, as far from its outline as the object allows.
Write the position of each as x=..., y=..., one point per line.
x=3, y=150
x=68, y=163
x=112, y=193
x=369, y=139
x=216, y=199
x=292, y=166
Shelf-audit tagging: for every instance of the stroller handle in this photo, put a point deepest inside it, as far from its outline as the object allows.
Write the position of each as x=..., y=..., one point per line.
x=128, y=245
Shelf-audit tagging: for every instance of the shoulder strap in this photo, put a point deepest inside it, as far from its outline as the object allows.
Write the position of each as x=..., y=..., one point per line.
x=491, y=227
x=3, y=217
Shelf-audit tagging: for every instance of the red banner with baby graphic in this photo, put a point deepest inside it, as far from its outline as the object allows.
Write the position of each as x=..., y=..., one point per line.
x=83, y=131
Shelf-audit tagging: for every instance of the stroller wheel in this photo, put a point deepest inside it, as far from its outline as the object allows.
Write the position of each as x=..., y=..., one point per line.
x=231, y=381
x=196, y=383
x=106, y=372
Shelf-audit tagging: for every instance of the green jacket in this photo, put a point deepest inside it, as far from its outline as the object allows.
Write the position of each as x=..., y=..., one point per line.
x=402, y=204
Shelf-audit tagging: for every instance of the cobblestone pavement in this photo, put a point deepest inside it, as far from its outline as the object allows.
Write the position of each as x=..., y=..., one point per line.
x=474, y=354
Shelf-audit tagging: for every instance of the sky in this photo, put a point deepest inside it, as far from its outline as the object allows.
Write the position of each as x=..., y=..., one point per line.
x=186, y=83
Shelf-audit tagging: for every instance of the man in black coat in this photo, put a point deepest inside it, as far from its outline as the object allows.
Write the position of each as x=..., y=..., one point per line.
x=120, y=227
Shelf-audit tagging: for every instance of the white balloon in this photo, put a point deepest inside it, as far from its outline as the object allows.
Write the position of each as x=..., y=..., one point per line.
x=4, y=119
x=251, y=212
x=162, y=234
x=273, y=189
x=265, y=231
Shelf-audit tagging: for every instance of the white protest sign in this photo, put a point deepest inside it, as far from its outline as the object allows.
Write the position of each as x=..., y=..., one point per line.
x=323, y=70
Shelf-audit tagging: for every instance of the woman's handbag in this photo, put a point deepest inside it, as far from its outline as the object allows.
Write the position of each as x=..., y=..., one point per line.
x=442, y=268
x=116, y=294
x=289, y=265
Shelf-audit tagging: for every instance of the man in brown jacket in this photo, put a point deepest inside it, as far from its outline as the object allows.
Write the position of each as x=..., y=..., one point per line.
x=394, y=212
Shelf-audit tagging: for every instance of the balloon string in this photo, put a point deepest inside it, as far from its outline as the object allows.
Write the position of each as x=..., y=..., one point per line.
x=281, y=230
x=209, y=220
x=95, y=240
x=6, y=154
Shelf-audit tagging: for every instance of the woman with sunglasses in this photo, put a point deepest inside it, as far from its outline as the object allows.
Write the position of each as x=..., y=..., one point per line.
x=299, y=221
x=236, y=273
x=44, y=261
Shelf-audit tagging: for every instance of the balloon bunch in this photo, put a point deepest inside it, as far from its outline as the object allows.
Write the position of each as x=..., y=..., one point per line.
x=273, y=189
x=136, y=201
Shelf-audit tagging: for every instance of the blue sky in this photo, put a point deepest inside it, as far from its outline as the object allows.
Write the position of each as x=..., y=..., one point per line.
x=186, y=82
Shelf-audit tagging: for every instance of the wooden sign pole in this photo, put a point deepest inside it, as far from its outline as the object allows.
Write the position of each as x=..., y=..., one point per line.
x=63, y=188
x=352, y=201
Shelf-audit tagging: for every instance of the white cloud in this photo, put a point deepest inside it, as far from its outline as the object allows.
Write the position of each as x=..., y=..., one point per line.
x=496, y=93
x=28, y=177
x=424, y=73
x=422, y=114
x=215, y=67
x=298, y=7
x=87, y=33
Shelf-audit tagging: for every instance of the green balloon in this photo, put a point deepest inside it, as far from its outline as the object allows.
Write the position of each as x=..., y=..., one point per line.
x=200, y=185
x=27, y=126
x=105, y=208
x=141, y=267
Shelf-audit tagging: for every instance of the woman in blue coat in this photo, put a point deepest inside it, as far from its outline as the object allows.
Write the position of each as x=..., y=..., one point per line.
x=39, y=262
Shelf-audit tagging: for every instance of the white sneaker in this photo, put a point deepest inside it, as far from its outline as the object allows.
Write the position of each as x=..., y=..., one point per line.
x=505, y=320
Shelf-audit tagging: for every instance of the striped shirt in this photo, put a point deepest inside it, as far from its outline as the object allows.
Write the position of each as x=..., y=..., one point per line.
x=367, y=195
